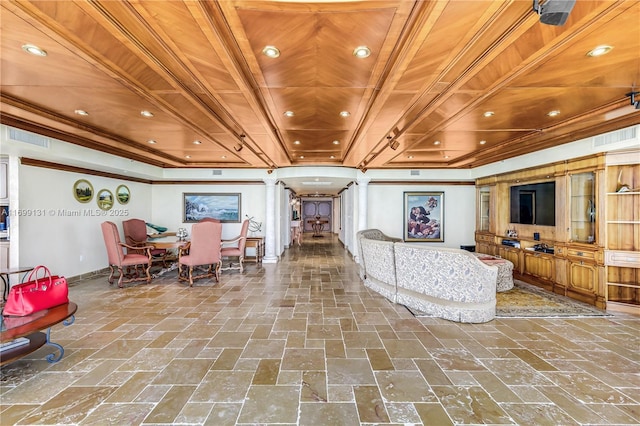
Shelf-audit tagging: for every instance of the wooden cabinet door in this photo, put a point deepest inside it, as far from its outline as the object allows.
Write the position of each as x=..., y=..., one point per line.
x=539, y=265
x=583, y=276
x=512, y=255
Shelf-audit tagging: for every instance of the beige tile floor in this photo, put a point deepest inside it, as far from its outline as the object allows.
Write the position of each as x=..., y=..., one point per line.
x=304, y=342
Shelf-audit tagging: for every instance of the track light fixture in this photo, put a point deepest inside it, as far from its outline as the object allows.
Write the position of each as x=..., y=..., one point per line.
x=393, y=144
x=634, y=102
x=553, y=12
x=238, y=147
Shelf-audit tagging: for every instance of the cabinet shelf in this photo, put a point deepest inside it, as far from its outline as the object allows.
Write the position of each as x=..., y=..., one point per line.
x=629, y=222
x=623, y=193
x=623, y=285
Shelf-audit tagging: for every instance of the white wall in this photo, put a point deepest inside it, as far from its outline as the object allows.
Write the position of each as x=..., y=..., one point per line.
x=386, y=211
x=63, y=234
x=167, y=205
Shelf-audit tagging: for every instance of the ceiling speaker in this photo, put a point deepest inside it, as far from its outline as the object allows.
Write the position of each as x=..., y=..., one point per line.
x=554, y=12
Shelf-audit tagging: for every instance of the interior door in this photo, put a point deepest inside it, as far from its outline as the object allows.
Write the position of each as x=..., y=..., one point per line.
x=317, y=210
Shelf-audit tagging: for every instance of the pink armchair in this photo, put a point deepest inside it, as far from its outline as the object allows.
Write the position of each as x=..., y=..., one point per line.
x=120, y=261
x=135, y=235
x=202, y=251
x=235, y=248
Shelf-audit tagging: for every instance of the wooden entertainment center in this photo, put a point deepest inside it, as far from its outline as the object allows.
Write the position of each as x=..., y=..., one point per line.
x=592, y=253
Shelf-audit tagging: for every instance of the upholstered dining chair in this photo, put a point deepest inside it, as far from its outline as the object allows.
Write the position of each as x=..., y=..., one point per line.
x=235, y=248
x=122, y=262
x=135, y=235
x=202, y=252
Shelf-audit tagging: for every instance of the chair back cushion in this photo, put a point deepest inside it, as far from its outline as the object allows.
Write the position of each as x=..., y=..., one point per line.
x=111, y=236
x=135, y=231
x=206, y=238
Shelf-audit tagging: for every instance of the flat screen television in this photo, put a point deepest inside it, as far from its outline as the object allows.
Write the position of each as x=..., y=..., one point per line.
x=534, y=204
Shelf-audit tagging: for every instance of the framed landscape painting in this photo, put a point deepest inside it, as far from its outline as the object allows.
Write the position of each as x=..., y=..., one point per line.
x=224, y=207
x=424, y=216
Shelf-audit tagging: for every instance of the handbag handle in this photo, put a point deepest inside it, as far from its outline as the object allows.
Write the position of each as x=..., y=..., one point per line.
x=33, y=275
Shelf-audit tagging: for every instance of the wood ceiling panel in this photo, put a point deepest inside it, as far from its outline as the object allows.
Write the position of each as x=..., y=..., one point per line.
x=85, y=32
x=63, y=67
x=435, y=68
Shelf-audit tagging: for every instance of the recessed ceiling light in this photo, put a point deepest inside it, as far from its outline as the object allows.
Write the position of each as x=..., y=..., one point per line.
x=553, y=113
x=344, y=113
x=34, y=50
x=271, y=51
x=336, y=142
x=332, y=157
x=289, y=114
x=197, y=142
x=80, y=112
x=410, y=157
x=146, y=113
x=223, y=157
x=187, y=156
x=151, y=141
x=483, y=142
x=489, y=114
x=436, y=143
x=296, y=142
x=599, y=51
x=361, y=52
x=446, y=156
x=302, y=156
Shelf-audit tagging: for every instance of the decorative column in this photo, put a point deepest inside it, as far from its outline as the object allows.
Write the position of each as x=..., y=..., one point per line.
x=270, y=228
x=363, y=189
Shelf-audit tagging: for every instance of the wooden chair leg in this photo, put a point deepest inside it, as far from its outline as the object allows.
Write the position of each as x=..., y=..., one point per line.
x=120, y=277
x=147, y=272
x=110, y=279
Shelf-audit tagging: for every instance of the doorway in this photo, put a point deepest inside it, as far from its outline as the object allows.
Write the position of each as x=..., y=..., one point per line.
x=317, y=210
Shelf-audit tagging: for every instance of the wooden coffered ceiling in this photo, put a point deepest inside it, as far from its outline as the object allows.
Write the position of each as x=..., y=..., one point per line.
x=435, y=68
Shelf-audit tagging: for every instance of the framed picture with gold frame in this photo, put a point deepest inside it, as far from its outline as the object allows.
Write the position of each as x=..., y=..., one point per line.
x=83, y=190
x=105, y=199
x=424, y=217
x=123, y=194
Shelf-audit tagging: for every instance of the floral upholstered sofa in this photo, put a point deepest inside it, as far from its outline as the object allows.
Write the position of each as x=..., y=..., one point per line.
x=447, y=283
x=371, y=234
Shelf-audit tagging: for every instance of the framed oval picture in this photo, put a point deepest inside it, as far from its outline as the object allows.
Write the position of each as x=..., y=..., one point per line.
x=123, y=194
x=105, y=199
x=83, y=190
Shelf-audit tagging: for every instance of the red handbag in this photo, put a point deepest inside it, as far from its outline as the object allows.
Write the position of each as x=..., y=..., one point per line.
x=36, y=294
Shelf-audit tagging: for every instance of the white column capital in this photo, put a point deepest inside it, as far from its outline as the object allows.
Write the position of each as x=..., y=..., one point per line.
x=270, y=181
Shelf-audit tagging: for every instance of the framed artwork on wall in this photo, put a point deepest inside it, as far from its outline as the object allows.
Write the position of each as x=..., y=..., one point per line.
x=123, y=194
x=105, y=199
x=424, y=216
x=224, y=207
x=83, y=190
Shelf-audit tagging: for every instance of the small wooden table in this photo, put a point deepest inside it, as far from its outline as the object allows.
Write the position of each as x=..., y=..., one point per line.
x=4, y=276
x=29, y=327
x=258, y=244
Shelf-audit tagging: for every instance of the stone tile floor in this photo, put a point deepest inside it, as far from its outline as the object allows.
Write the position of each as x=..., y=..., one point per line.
x=304, y=342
